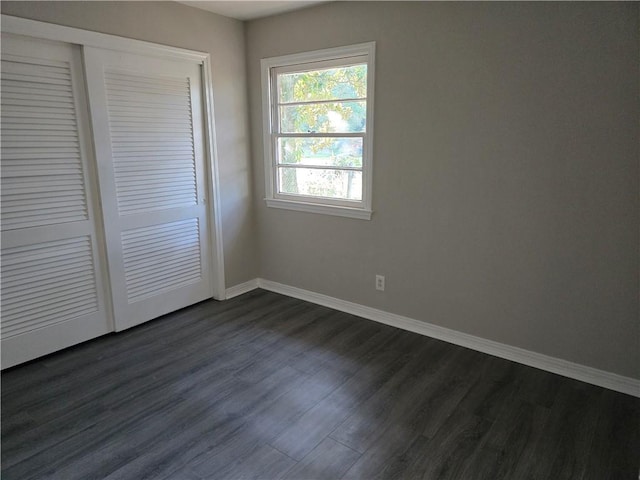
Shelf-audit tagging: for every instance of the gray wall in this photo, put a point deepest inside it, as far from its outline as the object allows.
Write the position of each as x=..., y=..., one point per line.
x=505, y=173
x=174, y=24
x=506, y=192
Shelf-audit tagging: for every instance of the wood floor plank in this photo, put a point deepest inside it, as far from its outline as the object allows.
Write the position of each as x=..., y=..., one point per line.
x=67, y=454
x=328, y=461
x=263, y=462
x=305, y=434
x=268, y=386
x=570, y=428
x=126, y=399
x=487, y=464
x=493, y=389
x=266, y=424
x=451, y=449
x=578, y=431
x=445, y=456
x=313, y=329
x=391, y=402
x=397, y=434
x=537, y=386
x=406, y=464
x=207, y=424
x=617, y=425
x=520, y=425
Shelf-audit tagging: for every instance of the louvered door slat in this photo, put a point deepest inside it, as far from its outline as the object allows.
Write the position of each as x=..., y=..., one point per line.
x=165, y=136
x=37, y=158
x=179, y=257
x=177, y=242
x=41, y=256
x=9, y=209
x=13, y=170
x=141, y=123
x=72, y=295
x=75, y=292
x=144, y=235
x=159, y=103
x=146, y=159
x=41, y=299
x=20, y=185
x=53, y=318
x=164, y=272
x=47, y=282
x=44, y=90
x=33, y=218
x=34, y=81
x=29, y=116
x=36, y=128
x=134, y=170
x=22, y=91
x=150, y=233
x=33, y=274
x=147, y=272
x=156, y=253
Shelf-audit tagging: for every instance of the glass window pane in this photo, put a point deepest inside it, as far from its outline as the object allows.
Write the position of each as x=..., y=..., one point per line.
x=338, y=117
x=329, y=152
x=342, y=184
x=326, y=84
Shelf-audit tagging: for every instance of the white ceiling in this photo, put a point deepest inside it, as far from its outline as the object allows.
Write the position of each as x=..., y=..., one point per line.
x=249, y=10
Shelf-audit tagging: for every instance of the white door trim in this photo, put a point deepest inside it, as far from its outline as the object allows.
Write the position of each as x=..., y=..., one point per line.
x=50, y=31
x=60, y=33
x=216, y=253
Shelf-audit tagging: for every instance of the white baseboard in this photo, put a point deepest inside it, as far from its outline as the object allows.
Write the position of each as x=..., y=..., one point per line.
x=594, y=376
x=576, y=371
x=241, y=288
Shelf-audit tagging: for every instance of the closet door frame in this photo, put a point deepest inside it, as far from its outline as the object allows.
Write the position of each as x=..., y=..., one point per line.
x=85, y=38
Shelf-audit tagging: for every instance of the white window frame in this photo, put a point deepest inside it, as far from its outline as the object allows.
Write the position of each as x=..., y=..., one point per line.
x=340, y=56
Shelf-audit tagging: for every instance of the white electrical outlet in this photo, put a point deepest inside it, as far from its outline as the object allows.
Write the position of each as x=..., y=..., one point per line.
x=380, y=282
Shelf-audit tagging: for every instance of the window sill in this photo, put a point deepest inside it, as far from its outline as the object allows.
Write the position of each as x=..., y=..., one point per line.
x=339, y=211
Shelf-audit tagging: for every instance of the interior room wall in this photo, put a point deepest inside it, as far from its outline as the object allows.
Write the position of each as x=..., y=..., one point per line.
x=505, y=172
x=178, y=25
x=506, y=196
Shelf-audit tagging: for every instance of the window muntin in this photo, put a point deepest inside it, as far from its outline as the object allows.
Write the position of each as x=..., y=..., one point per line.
x=325, y=117
x=318, y=141
x=309, y=84
x=329, y=151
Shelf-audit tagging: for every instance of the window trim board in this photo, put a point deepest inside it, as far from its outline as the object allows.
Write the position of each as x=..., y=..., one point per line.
x=363, y=52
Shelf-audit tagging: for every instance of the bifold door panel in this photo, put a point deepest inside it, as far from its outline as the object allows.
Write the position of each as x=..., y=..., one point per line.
x=88, y=131
x=148, y=126
x=52, y=286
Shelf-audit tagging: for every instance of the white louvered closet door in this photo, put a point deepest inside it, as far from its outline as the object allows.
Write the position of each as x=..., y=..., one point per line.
x=52, y=286
x=148, y=128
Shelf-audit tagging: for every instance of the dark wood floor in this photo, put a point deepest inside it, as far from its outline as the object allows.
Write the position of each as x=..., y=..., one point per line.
x=266, y=386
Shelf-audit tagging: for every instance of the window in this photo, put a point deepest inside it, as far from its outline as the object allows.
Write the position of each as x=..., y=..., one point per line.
x=318, y=123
